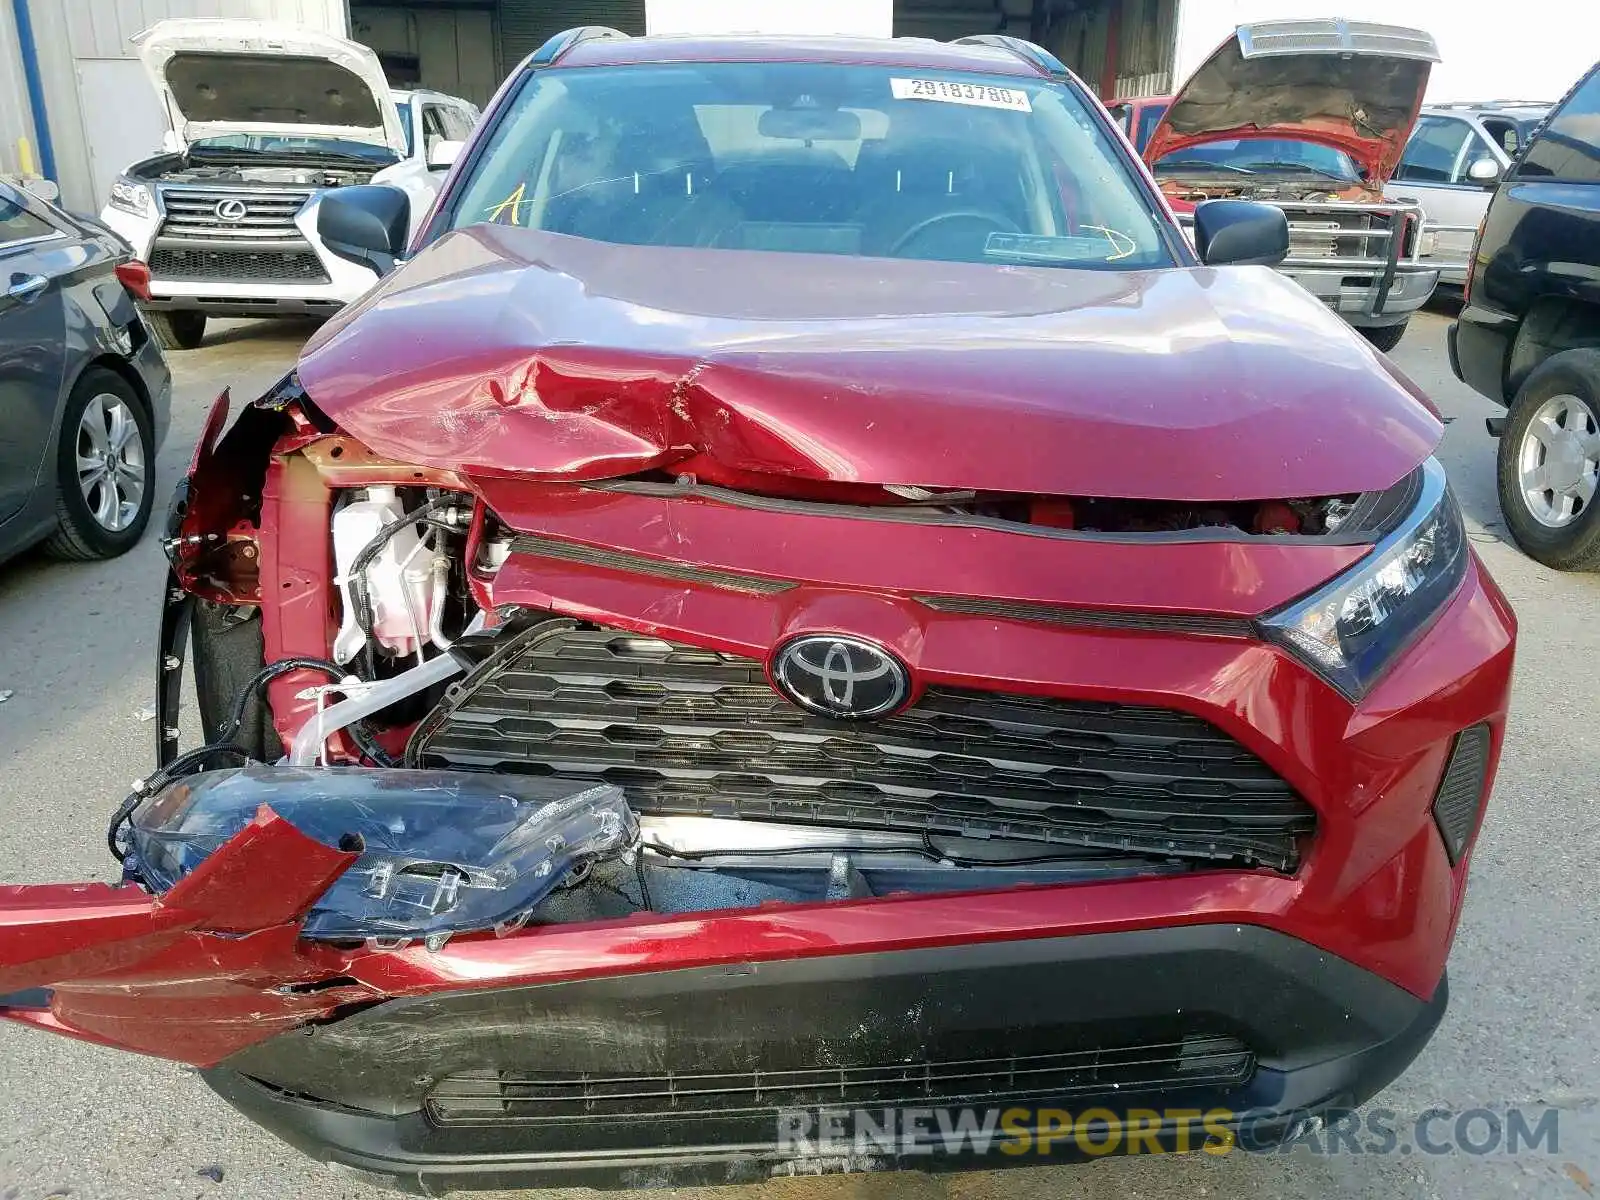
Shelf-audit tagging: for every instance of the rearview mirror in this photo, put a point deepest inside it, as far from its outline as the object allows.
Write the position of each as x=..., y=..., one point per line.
x=443, y=153
x=365, y=224
x=1240, y=233
x=1484, y=170
x=809, y=125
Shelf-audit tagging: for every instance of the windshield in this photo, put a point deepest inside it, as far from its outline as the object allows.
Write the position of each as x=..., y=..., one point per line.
x=817, y=158
x=261, y=143
x=1262, y=156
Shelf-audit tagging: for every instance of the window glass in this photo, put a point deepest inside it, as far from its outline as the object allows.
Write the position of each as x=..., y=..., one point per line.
x=1260, y=156
x=1149, y=117
x=819, y=158
x=404, y=107
x=457, y=123
x=1569, y=145
x=1433, y=155
x=1505, y=133
x=433, y=127
x=17, y=224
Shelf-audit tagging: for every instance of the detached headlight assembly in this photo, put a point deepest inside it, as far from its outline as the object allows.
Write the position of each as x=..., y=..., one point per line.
x=1353, y=628
x=131, y=197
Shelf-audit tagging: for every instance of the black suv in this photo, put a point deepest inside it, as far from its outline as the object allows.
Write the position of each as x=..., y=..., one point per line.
x=1529, y=334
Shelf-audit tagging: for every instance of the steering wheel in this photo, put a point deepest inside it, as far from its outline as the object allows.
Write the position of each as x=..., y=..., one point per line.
x=997, y=223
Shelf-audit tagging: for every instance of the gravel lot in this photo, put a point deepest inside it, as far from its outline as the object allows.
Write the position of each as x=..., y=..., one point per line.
x=77, y=649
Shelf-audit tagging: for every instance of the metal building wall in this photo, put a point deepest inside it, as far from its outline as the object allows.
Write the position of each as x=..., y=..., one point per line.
x=457, y=49
x=72, y=35
x=1141, y=34
x=945, y=20
x=15, y=121
x=525, y=25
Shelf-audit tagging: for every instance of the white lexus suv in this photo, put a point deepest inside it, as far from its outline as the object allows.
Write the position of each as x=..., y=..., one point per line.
x=266, y=119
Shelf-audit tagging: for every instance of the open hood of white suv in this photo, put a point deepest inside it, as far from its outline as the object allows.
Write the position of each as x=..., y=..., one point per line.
x=218, y=77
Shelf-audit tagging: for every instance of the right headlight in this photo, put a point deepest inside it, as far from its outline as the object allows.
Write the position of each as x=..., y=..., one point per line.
x=131, y=197
x=1351, y=629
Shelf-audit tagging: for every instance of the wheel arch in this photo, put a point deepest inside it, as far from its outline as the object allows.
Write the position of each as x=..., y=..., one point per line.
x=1553, y=324
x=121, y=367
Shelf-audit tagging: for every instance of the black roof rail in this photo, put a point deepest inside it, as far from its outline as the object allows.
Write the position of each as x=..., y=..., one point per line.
x=1031, y=53
x=562, y=42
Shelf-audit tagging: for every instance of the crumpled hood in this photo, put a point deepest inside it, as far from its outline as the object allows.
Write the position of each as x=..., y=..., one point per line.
x=1352, y=85
x=509, y=351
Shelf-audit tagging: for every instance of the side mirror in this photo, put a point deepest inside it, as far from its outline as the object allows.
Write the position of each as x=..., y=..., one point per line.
x=443, y=153
x=365, y=224
x=1484, y=170
x=1240, y=233
x=41, y=189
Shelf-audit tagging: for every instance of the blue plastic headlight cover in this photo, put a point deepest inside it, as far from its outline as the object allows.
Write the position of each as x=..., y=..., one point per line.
x=441, y=852
x=1353, y=628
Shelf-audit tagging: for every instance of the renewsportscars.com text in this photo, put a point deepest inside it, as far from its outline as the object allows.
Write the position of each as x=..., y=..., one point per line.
x=1019, y=1131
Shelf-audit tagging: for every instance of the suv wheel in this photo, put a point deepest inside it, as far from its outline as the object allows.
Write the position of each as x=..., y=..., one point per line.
x=105, y=470
x=1384, y=337
x=177, y=330
x=1550, y=462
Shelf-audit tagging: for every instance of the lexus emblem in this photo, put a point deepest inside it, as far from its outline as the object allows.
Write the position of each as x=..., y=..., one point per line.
x=840, y=676
x=231, y=210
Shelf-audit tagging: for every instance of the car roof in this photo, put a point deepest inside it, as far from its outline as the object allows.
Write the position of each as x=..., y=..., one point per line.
x=402, y=95
x=904, y=53
x=1491, y=108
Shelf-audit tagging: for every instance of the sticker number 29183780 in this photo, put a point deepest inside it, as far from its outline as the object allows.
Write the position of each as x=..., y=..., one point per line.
x=948, y=91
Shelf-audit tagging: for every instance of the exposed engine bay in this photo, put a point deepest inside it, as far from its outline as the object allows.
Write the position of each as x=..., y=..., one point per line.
x=247, y=173
x=1192, y=188
x=215, y=169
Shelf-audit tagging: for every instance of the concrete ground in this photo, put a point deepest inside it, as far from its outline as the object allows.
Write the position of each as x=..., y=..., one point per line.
x=77, y=650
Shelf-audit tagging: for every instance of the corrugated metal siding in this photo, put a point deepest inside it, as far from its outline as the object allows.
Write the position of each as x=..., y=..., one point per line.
x=525, y=25
x=1146, y=41
x=1079, y=40
x=456, y=49
x=945, y=20
x=101, y=28
x=15, y=121
x=68, y=32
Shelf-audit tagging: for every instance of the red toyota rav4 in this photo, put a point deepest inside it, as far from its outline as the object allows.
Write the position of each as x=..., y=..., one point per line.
x=804, y=600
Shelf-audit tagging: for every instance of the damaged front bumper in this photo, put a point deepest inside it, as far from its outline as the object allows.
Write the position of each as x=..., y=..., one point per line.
x=698, y=1048
x=745, y=1070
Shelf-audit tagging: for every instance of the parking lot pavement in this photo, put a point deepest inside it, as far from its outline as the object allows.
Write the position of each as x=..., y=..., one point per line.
x=77, y=650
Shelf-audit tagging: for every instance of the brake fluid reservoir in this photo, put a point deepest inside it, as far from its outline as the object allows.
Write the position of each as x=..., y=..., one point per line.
x=399, y=579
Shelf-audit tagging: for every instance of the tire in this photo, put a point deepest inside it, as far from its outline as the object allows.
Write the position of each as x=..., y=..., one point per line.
x=1384, y=337
x=1561, y=398
x=123, y=494
x=177, y=330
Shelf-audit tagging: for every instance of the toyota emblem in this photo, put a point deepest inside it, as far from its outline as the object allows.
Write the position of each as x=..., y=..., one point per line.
x=231, y=210
x=841, y=676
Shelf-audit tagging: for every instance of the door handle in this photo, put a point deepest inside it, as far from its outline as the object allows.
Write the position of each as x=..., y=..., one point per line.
x=27, y=288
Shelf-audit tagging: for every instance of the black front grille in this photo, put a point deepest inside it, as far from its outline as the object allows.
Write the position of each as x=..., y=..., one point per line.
x=689, y=731
x=264, y=264
x=490, y=1097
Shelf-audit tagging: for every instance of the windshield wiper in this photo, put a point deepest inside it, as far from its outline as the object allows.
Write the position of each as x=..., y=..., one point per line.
x=287, y=158
x=1300, y=168
x=1204, y=164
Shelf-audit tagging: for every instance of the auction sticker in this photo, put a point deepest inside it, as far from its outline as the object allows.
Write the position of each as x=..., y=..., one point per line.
x=982, y=95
